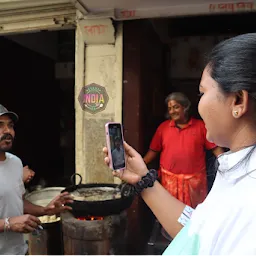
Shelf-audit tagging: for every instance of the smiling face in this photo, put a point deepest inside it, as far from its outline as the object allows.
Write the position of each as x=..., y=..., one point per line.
x=217, y=110
x=7, y=133
x=228, y=103
x=176, y=111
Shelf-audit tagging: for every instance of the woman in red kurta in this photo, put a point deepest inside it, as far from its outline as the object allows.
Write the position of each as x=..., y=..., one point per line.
x=181, y=143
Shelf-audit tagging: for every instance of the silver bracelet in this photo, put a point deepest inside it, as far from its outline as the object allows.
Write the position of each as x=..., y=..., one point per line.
x=7, y=225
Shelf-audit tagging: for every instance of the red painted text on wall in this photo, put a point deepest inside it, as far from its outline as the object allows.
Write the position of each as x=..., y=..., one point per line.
x=95, y=29
x=232, y=7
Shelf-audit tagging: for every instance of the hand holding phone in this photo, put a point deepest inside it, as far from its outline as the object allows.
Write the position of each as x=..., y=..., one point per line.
x=115, y=145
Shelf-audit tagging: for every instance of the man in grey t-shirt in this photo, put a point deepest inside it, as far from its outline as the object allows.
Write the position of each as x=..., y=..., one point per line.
x=17, y=215
x=118, y=156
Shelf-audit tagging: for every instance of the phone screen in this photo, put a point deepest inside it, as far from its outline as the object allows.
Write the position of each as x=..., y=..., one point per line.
x=117, y=146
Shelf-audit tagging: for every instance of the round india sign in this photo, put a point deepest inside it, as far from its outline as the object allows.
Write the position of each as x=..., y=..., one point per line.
x=93, y=98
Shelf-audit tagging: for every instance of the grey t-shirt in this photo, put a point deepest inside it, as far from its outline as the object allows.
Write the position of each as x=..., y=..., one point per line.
x=11, y=203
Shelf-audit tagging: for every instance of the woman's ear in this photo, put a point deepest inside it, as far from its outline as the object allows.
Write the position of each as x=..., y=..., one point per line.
x=240, y=104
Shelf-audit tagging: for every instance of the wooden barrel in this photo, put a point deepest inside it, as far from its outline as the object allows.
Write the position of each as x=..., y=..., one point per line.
x=95, y=237
x=48, y=241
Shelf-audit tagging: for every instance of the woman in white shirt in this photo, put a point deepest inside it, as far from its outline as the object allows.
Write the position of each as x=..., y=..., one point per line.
x=225, y=223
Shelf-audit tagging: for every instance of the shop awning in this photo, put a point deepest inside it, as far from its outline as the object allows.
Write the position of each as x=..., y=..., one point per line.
x=34, y=15
x=139, y=9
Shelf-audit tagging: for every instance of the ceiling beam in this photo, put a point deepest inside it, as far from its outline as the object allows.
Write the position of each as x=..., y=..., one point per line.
x=80, y=6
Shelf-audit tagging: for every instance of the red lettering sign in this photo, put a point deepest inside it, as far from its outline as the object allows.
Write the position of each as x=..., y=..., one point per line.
x=128, y=13
x=231, y=7
x=226, y=7
x=95, y=29
x=212, y=7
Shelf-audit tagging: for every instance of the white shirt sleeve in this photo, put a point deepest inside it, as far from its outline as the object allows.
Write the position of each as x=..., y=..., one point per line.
x=239, y=236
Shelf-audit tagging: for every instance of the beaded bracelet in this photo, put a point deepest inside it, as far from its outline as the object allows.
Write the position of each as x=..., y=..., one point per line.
x=147, y=181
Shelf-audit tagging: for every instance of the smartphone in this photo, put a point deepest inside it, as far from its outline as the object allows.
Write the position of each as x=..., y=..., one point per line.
x=115, y=145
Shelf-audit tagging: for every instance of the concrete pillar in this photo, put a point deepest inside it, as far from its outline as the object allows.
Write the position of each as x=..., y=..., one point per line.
x=99, y=57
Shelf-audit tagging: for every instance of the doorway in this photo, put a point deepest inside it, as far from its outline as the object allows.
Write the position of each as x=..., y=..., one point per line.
x=153, y=68
x=37, y=86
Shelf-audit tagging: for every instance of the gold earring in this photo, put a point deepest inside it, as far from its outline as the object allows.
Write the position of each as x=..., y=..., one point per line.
x=235, y=113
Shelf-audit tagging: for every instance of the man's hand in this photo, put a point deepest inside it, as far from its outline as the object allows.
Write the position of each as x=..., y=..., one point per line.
x=24, y=223
x=57, y=205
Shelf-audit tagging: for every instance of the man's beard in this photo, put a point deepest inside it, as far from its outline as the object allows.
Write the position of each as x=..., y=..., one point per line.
x=8, y=147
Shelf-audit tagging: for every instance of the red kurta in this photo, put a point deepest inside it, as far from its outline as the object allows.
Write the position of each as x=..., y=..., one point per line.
x=182, y=160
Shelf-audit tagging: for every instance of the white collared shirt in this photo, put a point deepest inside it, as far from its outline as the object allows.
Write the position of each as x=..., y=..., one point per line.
x=225, y=223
